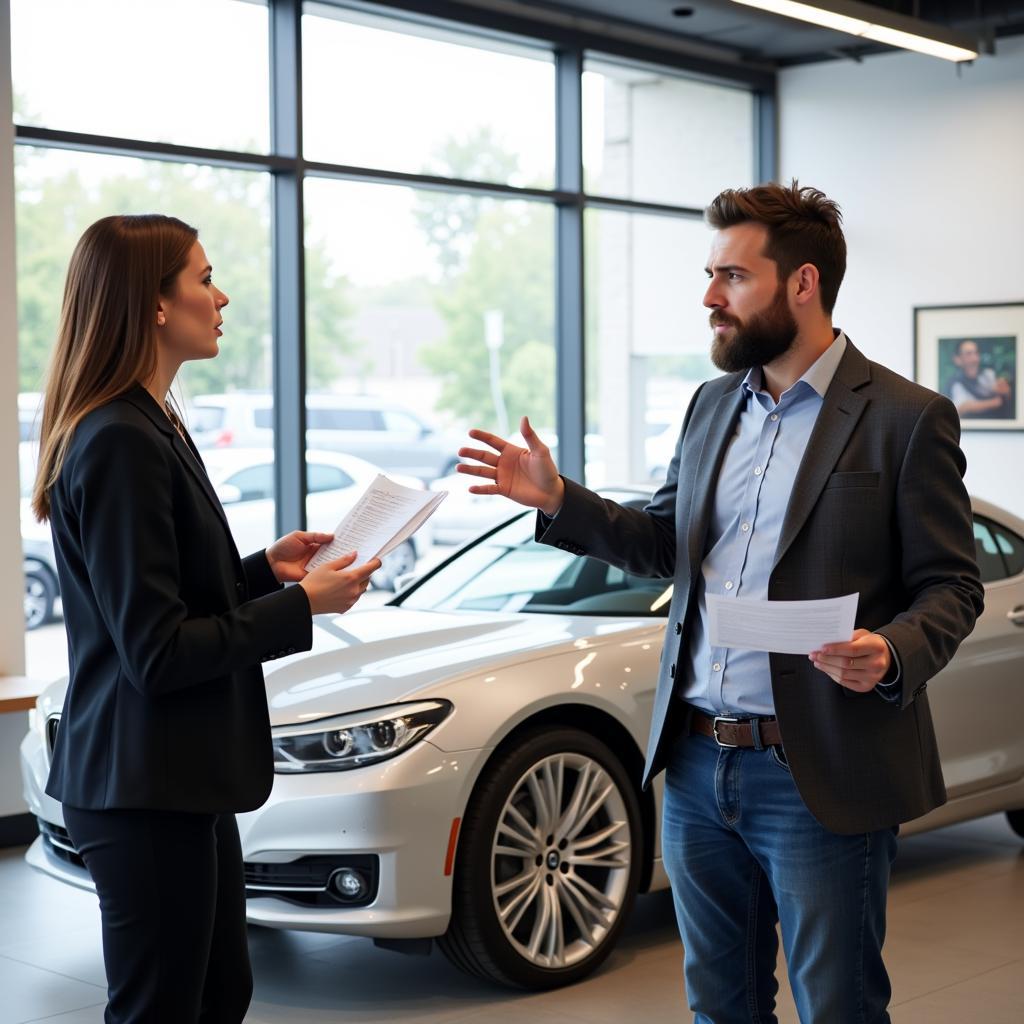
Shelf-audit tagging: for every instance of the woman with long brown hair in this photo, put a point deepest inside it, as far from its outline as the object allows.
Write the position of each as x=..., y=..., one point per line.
x=165, y=732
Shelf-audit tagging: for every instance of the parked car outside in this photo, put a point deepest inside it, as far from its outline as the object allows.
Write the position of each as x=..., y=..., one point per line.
x=244, y=481
x=464, y=764
x=463, y=516
x=39, y=563
x=384, y=433
x=30, y=413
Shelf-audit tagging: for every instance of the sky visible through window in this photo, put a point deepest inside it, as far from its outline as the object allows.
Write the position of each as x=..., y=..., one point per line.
x=201, y=78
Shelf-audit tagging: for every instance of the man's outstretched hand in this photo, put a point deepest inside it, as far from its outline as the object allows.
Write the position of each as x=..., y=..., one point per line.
x=526, y=475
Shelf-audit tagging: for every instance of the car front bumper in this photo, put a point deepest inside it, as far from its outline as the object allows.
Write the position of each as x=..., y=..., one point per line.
x=399, y=815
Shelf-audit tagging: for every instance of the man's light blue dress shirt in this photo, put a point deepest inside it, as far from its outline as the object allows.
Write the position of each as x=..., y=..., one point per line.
x=754, y=487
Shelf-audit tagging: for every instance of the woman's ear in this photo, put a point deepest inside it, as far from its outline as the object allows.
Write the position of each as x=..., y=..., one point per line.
x=161, y=314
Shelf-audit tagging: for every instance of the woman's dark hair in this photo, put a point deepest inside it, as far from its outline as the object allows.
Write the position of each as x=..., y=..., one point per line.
x=106, y=341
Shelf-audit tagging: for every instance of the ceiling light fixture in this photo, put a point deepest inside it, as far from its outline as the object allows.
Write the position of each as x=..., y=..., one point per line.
x=880, y=26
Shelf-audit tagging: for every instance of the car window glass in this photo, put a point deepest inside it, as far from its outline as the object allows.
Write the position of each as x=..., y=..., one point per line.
x=510, y=572
x=254, y=482
x=343, y=419
x=990, y=562
x=1011, y=547
x=263, y=418
x=321, y=477
x=401, y=422
x=205, y=417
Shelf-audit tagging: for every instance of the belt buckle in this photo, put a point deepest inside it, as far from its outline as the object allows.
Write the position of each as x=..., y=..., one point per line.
x=730, y=720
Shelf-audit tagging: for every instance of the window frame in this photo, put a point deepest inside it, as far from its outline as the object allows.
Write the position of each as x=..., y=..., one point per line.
x=569, y=45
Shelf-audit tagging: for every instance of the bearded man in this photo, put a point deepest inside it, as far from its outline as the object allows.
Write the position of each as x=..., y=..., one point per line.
x=805, y=472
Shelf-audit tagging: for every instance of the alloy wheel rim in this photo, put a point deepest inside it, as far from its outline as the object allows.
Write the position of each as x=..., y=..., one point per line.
x=560, y=860
x=35, y=602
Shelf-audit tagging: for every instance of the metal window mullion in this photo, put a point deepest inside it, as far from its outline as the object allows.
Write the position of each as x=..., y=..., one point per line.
x=570, y=363
x=288, y=259
x=766, y=136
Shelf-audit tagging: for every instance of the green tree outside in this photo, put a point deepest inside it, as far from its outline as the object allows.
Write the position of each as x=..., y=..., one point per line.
x=494, y=255
x=230, y=208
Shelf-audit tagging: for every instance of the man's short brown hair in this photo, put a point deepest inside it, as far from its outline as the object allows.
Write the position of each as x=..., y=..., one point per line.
x=804, y=226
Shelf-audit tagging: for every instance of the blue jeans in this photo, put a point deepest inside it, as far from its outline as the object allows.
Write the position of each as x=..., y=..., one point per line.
x=743, y=853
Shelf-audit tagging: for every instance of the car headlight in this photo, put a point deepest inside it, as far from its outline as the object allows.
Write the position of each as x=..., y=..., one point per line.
x=352, y=741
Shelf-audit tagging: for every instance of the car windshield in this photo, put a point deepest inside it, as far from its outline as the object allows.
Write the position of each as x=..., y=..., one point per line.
x=508, y=571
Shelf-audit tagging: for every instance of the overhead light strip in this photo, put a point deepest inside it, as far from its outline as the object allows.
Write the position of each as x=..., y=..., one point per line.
x=863, y=21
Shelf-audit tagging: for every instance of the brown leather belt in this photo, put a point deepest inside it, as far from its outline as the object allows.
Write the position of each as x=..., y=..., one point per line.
x=727, y=731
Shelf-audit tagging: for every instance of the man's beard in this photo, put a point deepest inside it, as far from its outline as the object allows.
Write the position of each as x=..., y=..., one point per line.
x=766, y=336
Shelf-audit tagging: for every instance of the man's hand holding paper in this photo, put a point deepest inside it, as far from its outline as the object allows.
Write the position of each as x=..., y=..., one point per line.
x=818, y=629
x=860, y=664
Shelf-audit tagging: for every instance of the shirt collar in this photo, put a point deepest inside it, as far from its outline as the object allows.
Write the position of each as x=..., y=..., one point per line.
x=818, y=375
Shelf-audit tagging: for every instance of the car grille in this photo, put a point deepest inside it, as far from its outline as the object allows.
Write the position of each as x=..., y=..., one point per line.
x=307, y=881
x=59, y=843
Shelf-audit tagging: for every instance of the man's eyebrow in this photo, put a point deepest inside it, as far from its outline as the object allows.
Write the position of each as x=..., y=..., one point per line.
x=726, y=268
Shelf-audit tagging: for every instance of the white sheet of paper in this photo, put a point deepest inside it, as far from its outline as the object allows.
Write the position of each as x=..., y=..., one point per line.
x=385, y=515
x=785, y=627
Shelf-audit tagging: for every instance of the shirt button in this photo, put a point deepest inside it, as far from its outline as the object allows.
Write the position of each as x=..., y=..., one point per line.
x=717, y=667
x=757, y=471
x=728, y=584
x=774, y=416
x=745, y=527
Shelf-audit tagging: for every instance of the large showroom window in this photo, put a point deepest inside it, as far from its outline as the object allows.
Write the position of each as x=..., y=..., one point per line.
x=137, y=91
x=647, y=339
x=425, y=100
x=193, y=72
x=422, y=226
x=652, y=135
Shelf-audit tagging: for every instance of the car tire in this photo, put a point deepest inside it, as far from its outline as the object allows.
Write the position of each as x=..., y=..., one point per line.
x=539, y=896
x=399, y=562
x=40, y=595
x=1016, y=820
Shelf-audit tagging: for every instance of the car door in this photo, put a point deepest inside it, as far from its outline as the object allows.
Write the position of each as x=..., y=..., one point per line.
x=977, y=701
x=358, y=432
x=248, y=499
x=418, y=450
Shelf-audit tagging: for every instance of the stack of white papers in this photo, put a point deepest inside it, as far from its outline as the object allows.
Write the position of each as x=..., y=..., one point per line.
x=385, y=515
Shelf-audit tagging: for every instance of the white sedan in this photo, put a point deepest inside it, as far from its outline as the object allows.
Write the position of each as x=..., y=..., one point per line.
x=244, y=481
x=463, y=765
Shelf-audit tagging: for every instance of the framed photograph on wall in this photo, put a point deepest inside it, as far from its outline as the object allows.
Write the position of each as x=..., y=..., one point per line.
x=974, y=355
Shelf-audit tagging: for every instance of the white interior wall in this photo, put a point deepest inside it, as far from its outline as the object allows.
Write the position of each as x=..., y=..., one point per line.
x=12, y=645
x=926, y=161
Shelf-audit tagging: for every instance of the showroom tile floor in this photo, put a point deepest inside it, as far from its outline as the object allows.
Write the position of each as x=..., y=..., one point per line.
x=955, y=951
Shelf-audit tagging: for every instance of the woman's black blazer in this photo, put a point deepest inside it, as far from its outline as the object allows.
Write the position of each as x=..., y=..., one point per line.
x=167, y=626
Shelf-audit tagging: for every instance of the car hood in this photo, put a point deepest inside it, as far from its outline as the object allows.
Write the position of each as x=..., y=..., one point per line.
x=377, y=657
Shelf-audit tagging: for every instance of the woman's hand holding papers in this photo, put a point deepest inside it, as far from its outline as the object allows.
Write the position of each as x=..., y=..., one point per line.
x=288, y=556
x=528, y=475
x=336, y=586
